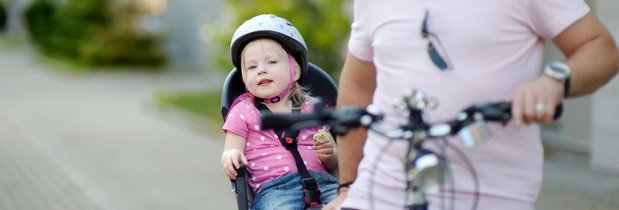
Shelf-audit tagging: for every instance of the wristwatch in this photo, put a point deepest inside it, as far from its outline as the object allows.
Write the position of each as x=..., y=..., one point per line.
x=560, y=72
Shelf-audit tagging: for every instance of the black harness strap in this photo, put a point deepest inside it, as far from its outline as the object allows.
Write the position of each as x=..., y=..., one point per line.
x=289, y=139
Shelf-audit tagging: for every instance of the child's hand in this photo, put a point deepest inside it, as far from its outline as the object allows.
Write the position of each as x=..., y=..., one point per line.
x=324, y=145
x=230, y=162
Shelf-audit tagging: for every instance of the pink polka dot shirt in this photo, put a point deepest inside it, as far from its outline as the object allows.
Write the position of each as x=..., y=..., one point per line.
x=268, y=159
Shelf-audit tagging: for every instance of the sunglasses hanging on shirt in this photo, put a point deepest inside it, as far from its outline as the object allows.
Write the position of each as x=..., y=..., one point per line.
x=435, y=56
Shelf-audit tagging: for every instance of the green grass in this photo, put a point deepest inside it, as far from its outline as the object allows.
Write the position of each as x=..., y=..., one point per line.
x=13, y=42
x=71, y=66
x=204, y=103
x=64, y=65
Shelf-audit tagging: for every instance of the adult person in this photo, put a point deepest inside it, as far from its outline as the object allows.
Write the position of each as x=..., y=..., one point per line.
x=488, y=51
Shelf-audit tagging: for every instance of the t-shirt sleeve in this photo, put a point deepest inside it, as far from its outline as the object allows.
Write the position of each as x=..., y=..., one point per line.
x=360, y=43
x=551, y=17
x=237, y=121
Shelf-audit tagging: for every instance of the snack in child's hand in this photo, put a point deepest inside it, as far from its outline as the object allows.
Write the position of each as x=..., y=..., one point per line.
x=321, y=136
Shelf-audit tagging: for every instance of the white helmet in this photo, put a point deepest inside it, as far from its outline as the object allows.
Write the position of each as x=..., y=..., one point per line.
x=276, y=28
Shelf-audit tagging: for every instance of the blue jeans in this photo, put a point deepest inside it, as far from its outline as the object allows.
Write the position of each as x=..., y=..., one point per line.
x=286, y=192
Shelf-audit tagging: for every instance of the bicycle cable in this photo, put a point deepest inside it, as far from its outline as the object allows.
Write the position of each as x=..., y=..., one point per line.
x=473, y=173
x=373, y=172
x=452, y=192
x=444, y=153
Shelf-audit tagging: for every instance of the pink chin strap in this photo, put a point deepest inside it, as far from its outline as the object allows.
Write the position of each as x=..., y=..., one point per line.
x=270, y=100
x=283, y=94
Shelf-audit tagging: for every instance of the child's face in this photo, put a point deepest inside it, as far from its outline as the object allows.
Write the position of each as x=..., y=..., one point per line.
x=266, y=70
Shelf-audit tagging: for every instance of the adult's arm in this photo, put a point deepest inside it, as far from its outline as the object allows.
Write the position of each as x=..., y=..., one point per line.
x=591, y=54
x=357, y=85
x=593, y=59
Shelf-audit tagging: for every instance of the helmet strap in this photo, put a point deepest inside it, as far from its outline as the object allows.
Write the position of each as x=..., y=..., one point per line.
x=283, y=94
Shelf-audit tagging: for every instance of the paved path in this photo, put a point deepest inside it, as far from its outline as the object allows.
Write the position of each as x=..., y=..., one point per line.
x=570, y=185
x=88, y=142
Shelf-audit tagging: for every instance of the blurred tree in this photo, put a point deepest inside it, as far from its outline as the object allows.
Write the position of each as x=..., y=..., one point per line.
x=74, y=24
x=120, y=43
x=39, y=18
x=92, y=32
x=2, y=16
x=323, y=24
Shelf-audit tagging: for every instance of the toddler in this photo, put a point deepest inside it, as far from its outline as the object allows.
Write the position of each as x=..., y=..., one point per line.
x=272, y=58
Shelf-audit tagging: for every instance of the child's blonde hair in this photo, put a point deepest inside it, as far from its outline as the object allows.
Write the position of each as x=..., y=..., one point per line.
x=298, y=94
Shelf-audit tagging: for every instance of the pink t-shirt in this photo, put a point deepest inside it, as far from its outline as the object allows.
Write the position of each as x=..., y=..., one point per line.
x=494, y=46
x=268, y=159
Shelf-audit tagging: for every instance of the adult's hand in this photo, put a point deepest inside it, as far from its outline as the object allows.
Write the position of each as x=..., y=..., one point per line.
x=593, y=60
x=335, y=203
x=536, y=101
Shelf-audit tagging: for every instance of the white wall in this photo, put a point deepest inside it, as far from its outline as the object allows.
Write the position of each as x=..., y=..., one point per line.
x=590, y=124
x=572, y=131
x=605, y=103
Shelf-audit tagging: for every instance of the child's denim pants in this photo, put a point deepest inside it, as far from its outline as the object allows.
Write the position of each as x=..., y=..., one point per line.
x=286, y=192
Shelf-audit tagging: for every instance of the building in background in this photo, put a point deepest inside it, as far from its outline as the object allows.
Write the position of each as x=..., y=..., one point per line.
x=178, y=22
x=590, y=124
x=14, y=9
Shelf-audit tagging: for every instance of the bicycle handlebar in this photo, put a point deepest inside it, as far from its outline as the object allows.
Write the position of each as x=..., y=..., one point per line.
x=416, y=130
x=502, y=111
x=339, y=119
x=343, y=119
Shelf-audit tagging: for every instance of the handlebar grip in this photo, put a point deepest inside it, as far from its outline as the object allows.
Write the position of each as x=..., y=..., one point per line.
x=558, y=112
x=502, y=111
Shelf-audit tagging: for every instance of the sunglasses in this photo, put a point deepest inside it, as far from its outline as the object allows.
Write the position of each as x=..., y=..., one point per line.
x=441, y=63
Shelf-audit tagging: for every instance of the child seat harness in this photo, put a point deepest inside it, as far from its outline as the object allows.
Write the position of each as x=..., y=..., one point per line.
x=289, y=139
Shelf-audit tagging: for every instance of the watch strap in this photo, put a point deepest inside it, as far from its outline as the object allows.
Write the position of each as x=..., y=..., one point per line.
x=566, y=79
x=566, y=87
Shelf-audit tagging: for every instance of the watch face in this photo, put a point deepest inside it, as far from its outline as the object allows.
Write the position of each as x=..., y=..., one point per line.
x=559, y=70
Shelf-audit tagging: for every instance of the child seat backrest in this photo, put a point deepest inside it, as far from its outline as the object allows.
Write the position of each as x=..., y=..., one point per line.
x=317, y=81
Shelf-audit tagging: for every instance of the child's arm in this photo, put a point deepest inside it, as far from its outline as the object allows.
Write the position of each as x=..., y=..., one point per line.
x=233, y=154
x=327, y=151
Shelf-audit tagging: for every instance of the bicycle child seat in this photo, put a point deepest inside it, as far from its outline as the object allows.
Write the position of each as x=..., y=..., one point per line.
x=319, y=84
